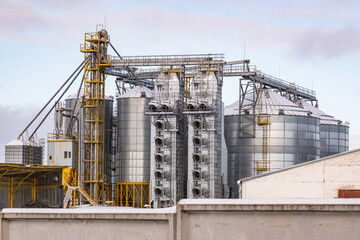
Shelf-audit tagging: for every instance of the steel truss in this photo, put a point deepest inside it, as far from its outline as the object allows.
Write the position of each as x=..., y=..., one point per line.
x=94, y=48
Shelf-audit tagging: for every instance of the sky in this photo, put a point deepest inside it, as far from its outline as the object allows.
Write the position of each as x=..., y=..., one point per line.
x=315, y=44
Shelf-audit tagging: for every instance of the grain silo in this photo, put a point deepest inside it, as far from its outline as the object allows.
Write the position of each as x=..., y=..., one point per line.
x=334, y=134
x=24, y=152
x=133, y=148
x=278, y=135
x=70, y=101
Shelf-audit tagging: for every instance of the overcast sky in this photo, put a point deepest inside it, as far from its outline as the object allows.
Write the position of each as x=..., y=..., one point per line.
x=315, y=44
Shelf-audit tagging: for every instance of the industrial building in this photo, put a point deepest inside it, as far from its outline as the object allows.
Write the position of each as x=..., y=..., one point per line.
x=335, y=176
x=32, y=186
x=167, y=136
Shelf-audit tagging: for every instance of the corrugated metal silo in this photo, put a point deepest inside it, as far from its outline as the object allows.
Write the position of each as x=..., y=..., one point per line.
x=334, y=134
x=133, y=148
x=24, y=152
x=280, y=134
x=69, y=104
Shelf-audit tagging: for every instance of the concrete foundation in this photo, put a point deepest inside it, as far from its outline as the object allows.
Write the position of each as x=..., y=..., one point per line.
x=191, y=219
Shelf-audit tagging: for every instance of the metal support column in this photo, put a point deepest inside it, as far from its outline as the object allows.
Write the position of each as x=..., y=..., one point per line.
x=33, y=190
x=95, y=49
x=11, y=186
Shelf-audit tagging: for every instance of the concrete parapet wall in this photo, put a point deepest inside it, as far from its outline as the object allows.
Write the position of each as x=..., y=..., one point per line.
x=268, y=219
x=191, y=219
x=86, y=224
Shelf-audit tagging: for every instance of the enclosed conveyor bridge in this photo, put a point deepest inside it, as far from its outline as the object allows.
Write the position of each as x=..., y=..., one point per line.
x=239, y=68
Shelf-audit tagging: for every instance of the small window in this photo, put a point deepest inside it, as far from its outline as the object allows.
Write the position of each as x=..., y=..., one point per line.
x=50, y=157
x=69, y=154
x=65, y=154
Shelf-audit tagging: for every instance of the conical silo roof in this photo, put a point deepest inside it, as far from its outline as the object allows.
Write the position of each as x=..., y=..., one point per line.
x=137, y=92
x=324, y=117
x=269, y=103
x=17, y=142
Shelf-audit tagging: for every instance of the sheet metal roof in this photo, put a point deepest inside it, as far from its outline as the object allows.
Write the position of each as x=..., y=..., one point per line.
x=324, y=117
x=18, y=142
x=136, y=93
x=270, y=103
x=19, y=170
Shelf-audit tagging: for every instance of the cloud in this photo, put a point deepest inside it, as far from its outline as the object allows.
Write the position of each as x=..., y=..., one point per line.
x=293, y=27
x=18, y=16
x=327, y=43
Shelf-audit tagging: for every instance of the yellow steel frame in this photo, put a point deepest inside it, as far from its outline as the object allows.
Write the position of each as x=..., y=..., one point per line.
x=24, y=176
x=132, y=194
x=69, y=176
x=96, y=59
x=265, y=165
x=108, y=192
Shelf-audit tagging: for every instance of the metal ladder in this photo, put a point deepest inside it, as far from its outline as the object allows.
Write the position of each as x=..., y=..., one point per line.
x=264, y=164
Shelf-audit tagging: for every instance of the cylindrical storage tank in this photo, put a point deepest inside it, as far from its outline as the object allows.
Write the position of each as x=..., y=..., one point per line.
x=334, y=134
x=109, y=101
x=69, y=105
x=24, y=152
x=279, y=135
x=133, y=146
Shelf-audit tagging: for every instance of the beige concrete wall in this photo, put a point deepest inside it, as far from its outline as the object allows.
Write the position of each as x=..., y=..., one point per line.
x=192, y=220
x=86, y=226
x=319, y=179
x=267, y=222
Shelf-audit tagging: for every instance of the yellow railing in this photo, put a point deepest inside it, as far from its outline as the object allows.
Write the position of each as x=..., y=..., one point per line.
x=85, y=191
x=135, y=195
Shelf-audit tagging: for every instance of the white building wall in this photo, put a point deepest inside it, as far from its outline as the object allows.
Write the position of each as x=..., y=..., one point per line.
x=56, y=153
x=319, y=179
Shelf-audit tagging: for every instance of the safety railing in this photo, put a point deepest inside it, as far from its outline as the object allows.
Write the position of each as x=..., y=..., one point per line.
x=159, y=60
x=266, y=78
x=85, y=191
x=214, y=57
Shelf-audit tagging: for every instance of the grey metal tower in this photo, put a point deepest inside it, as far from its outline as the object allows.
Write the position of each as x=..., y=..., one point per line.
x=204, y=114
x=167, y=139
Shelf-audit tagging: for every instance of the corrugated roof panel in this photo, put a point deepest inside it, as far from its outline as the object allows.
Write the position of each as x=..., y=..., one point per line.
x=316, y=112
x=137, y=92
x=269, y=103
